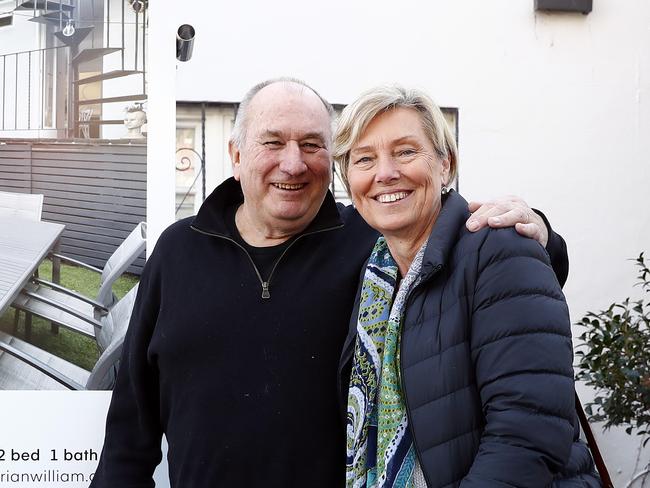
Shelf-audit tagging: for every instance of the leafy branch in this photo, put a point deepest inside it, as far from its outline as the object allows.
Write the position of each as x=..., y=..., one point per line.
x=615, y=360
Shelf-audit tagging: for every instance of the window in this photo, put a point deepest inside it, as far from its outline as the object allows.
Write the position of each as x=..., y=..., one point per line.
x=6, y=19
x=188, y=164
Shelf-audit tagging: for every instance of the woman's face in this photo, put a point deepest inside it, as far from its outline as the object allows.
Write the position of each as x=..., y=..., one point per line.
x=395, y=176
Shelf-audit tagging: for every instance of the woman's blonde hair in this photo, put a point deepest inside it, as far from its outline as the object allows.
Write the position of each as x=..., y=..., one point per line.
x=356, y=117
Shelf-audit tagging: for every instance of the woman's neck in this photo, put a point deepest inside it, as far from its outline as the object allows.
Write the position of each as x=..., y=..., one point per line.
x=404, y=247
x=403, y=252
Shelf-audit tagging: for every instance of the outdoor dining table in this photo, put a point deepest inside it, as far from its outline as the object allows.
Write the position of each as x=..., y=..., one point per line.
x=23, y=245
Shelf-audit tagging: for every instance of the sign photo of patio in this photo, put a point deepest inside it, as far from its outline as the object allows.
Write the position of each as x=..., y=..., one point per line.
x=73, y=121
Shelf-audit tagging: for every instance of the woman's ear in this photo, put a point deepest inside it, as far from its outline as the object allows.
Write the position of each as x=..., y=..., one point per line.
x=445, y=168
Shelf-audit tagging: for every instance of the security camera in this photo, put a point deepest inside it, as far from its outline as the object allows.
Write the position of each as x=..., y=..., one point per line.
x=184, y=42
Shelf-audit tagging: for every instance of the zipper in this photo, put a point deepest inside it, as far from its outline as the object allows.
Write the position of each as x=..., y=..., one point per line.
x=265, y=284
x=265, y=290
x=409, y=416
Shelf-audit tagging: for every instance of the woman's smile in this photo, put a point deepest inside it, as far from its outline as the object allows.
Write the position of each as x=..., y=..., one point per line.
x=392, y=197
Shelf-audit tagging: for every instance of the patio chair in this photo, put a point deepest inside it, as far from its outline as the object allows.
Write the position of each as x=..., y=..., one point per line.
x=73, y=310
x=26, y=367
x=25, y=205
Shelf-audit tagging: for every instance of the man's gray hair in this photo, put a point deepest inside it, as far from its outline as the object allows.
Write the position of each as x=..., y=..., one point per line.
x=238, y=135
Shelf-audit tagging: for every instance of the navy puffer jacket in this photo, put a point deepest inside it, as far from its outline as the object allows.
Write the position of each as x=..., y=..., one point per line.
x=486, y=362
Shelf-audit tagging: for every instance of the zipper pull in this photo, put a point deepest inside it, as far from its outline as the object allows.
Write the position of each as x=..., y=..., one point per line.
x=265, y=290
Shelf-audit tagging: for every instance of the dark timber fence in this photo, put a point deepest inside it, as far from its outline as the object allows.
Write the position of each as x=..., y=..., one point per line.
x=97, y=190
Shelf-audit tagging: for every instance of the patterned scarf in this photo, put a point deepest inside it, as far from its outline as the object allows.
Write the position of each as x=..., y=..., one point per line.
x=380, y=450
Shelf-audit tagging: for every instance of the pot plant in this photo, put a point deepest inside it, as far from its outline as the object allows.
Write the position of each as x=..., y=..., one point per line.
x=614, y=358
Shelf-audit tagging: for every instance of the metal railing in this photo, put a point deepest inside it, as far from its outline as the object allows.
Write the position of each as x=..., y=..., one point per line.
x=137, y=43
x=29, y=89
x=40, y=90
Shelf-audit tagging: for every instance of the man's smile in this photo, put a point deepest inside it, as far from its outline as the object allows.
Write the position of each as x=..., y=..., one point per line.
x=289, y=186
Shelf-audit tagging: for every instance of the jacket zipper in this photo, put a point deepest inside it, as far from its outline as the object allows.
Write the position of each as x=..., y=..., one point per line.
x=409, y=416
x=265, y=284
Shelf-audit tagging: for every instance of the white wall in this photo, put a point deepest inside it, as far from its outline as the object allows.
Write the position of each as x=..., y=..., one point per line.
x=161, y=121
x=553, y=107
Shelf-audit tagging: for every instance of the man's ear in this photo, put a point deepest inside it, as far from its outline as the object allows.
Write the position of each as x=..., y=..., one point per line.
x=235, y=158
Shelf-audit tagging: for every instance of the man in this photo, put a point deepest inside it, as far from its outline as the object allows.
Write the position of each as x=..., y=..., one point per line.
x=242, y=377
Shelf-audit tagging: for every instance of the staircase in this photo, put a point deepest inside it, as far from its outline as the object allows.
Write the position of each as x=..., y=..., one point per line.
x=73, y=31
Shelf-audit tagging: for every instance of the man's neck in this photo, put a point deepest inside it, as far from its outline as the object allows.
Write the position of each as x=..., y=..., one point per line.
x=259, y=234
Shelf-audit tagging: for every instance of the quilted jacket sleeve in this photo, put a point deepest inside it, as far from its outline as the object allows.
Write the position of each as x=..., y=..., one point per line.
x=131, y=449
x=522, y=354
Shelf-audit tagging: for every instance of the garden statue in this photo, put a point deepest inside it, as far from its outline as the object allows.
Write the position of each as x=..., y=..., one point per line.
x=135, y=119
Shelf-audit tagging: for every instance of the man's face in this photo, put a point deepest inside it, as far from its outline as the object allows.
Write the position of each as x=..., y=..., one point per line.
x=284, y=164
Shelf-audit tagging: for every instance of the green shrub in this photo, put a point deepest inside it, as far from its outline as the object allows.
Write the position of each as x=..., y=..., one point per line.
x=615, y=360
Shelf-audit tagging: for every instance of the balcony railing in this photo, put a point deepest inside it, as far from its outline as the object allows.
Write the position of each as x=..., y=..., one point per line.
x=29, y=89
x=62, y=88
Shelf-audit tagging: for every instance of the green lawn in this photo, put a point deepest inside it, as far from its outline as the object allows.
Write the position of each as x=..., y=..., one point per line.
x=69, y=345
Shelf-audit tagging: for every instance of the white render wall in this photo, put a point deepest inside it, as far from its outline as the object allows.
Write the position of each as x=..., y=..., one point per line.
x=553, y=107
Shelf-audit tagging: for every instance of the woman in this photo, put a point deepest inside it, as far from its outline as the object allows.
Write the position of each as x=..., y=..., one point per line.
x=461, y=367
